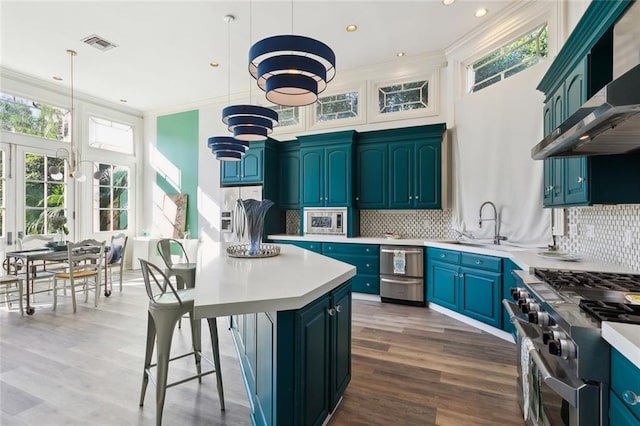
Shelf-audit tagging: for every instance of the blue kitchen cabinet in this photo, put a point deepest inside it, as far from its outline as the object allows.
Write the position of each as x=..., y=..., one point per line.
x=468, y=283
x=296, y=364
x=366, y=259
x=407, y=175
x=508, y=282
x=326, y=170
x=372, y=165
x=308, y=245
x=289, y=182
x=625, y=387
x=249, y=170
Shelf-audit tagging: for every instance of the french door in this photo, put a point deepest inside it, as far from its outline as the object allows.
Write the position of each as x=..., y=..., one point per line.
x=7, y=198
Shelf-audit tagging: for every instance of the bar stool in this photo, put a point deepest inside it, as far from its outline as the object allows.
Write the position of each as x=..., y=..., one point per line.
x=166, y=307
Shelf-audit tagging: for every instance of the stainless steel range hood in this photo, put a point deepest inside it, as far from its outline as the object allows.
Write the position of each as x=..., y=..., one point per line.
x=608, y=123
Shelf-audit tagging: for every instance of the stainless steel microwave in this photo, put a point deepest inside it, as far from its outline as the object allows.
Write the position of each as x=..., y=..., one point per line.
x=325, y=221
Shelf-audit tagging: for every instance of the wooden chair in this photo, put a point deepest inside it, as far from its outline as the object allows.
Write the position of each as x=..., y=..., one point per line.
x=115, y=257
x=35, y=242
x=7, y=287
x=84, y=264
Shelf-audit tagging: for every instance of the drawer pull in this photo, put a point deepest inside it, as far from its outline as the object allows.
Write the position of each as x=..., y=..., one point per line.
x=442, y=255
x=368, y=284
x=368, y=265
x=630, y=397
x=478, y=262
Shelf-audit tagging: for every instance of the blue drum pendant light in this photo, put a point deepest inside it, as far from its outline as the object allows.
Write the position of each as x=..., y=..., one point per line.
x=292, y=69
x=227, y=148
x=247, y=122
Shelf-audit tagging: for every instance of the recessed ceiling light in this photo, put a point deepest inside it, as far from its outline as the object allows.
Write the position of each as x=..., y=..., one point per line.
x=124, y=101
x=352, y=28
x=400, y=54
x=481, y=12
x=214, y=64
x=447, y=2
x=57, y=78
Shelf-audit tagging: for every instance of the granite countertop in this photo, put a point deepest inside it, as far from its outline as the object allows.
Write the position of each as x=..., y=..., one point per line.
x=291, y=280
x=623, y=337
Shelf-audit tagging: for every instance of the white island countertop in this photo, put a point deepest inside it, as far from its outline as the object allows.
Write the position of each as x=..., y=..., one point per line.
x=291, y=280
x=625, y=338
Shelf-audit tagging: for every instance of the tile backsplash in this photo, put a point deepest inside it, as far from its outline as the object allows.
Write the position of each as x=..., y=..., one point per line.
x=605, y=233
x=427, y=224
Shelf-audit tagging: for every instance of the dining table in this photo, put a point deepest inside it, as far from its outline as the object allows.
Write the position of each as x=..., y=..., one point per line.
x=34, y=263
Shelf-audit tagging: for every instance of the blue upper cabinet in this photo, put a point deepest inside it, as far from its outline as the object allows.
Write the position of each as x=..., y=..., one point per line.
x=326, y=169
x=400, y=168
x=289, y=188
x=249, y=170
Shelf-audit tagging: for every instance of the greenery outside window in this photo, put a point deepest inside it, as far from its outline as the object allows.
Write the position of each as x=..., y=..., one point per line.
x=403, y=97
x=516, y=56
x=29, y=117
x=44, y=197
x=110, y=135
x=2, y=192
x=337, y=107
x=111, y=198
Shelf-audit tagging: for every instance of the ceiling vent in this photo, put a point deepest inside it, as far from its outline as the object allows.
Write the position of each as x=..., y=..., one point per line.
x=99, y=42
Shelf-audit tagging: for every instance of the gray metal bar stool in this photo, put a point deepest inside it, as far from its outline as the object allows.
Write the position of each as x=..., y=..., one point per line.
x=166, y=307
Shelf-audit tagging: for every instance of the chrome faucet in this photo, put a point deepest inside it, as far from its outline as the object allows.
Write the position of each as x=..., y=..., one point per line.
x=496, y=222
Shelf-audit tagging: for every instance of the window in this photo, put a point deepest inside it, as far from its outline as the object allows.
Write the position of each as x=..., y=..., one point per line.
x=337, y=107
x=287, y=115
x=516, y=56
x=44, y=197
x=111, y=198
x=2, y=186
x=106, y=134
x=26, y=116
x=403, y=97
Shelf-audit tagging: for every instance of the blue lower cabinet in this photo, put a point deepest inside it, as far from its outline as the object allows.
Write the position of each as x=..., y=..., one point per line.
x=366, y=259
x=468, y=283
x=625, y=388
x=308, y=245
x=363, y=283
x=298, y=363
x=619, y=414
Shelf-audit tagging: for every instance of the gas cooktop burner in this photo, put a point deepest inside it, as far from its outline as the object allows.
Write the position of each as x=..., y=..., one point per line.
x=560, y=279
x=607, y=311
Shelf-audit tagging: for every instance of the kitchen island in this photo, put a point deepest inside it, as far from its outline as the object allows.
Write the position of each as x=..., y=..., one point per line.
x=291, y=324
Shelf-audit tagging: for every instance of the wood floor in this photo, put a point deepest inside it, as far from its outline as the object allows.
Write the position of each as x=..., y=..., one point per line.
x=411, y=366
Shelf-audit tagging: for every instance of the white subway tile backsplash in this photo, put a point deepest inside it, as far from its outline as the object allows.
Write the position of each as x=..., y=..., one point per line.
x=616, y=234
x=427, y=224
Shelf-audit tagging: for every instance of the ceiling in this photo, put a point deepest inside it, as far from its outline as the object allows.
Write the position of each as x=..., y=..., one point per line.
x=165, y=47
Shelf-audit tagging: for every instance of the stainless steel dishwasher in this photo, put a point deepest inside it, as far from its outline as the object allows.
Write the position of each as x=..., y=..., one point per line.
x=402, y=275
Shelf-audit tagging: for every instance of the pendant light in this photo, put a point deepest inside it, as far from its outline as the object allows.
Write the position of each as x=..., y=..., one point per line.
x=227, y=148
x=247, y=122
x=292, y=69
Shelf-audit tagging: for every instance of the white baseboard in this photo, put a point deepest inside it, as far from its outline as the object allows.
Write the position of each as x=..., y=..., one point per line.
x=474, y=323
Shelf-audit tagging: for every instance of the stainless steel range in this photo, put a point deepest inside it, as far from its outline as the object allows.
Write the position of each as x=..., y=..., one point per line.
x=563, y=368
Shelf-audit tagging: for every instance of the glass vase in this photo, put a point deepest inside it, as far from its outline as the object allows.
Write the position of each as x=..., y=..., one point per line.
x=255, y=212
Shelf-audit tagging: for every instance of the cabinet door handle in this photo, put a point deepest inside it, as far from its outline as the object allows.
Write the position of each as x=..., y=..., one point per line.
x=549, y=188
x=410, y=197
x=368, y=265
x=579, y=179
x=331, y=312
x=442, y=255
x=338, y=308
x=630, y=397
x=367, y=250
x=416, y=197
x=357, y=198
x=368, y=284
x=460, y=275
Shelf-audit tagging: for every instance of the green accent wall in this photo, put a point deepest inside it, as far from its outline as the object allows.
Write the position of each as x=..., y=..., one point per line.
x=177, y=141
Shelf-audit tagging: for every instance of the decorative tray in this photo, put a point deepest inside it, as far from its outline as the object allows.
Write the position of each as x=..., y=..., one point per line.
x=558, y=255
x=242, y=250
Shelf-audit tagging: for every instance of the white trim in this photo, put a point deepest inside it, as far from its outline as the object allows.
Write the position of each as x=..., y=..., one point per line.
x=470, y=321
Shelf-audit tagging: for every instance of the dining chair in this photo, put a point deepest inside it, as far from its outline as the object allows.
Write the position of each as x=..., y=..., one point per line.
x=7, y=288
x=177, y=262
x=167, y=304
x=85, y=260
x=115, y=257
x=41, y=272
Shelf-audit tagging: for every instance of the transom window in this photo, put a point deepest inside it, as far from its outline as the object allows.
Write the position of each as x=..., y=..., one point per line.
x=337, y=107
x=403, y=97
x=287, y=115
x=111, y=198
x=516, y=56
x=44, y=197
x=2, y=186
x=29, y=117
x=110, y=135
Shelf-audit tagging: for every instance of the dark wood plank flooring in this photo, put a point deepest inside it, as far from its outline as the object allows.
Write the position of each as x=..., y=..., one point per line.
x=411, y=366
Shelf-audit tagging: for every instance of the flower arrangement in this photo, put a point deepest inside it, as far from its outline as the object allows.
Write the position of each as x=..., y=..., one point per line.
x=59, y=224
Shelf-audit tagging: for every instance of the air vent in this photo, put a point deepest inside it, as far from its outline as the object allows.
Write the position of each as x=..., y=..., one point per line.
x=99, y=42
